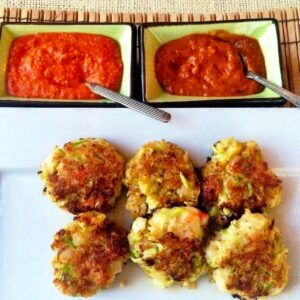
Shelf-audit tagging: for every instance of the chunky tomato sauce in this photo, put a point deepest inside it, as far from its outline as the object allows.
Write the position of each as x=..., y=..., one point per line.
x=56, y=65
x=209, y=65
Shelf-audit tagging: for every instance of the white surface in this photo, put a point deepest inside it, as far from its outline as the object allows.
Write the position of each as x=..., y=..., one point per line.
x=28, y=220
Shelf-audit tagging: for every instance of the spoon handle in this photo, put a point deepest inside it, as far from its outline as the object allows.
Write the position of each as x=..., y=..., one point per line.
x=293, y=98
x=143, y=108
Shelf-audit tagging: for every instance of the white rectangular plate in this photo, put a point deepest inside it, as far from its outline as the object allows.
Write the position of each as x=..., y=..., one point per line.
x=28, y=220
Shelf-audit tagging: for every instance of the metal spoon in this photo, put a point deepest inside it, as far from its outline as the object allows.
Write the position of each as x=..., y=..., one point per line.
x=291, y=97
x=143, y=108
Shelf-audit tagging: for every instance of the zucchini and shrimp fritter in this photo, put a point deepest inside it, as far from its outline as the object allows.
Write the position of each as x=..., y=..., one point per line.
x=248, y=259
x=169, y=246
x=90, y=251
x=84, y=175
x=169, y=239
x=235, y=178
x=160, y=174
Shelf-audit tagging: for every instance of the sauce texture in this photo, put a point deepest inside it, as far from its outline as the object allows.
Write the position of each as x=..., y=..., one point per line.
x=56, y=65
x=209, y=65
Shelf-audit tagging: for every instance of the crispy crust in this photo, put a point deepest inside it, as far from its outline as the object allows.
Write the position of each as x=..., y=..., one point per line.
x=249, y=261
x=243, y=181
x=177, y=258
x=252, y=269
x=89, y=253
x=84, y=175
x=162, y=173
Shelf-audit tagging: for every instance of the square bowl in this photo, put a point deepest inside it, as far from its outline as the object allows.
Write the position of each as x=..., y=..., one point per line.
x=154, y=35
x=123, y=33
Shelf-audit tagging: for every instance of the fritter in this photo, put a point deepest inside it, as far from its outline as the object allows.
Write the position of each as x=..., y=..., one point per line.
x=236, y=177
x=159, y=175
x=84, y=175
x=169, y=246
x=90, y=251
x=249, y=259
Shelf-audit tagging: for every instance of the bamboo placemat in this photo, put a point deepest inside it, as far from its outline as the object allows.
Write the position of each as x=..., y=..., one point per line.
x=289, y=27
x=153, y=6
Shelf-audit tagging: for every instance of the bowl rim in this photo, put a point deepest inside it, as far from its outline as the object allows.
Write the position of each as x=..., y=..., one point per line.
x=241, y=102
x=40, y=102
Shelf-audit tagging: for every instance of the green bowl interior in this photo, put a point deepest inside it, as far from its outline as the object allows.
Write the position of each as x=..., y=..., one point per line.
x=119, y=32
x=155, y=36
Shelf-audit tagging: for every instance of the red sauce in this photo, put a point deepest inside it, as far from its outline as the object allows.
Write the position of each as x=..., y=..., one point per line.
x=209, y=65
x=56, y=65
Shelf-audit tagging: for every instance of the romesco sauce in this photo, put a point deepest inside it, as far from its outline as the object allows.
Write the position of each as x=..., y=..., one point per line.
x=56, y=65
x=209, y=65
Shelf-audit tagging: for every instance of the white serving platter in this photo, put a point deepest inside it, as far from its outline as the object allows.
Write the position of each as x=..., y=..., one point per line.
x=28, y=220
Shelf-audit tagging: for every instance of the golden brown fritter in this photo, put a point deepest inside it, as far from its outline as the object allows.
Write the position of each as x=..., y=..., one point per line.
x=160, y=175
x=89, y=253
x=252, y=270
x=235, y=178
x=84, y=175
x=249, y=259
x=169, y=245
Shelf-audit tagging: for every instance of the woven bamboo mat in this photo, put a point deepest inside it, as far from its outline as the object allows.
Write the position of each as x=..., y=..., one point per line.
x=289, y=26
